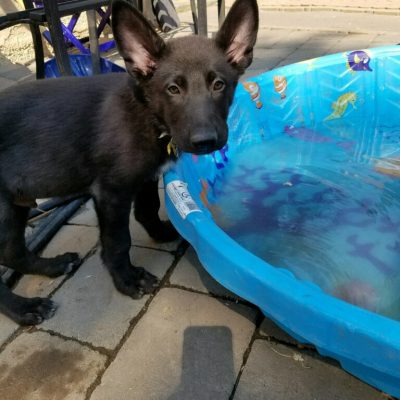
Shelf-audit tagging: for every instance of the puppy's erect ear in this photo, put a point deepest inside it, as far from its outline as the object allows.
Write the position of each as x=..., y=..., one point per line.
x=138, y=43
x=238, y=33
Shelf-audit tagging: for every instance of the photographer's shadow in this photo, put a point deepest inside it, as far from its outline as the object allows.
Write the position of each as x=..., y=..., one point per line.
x=207, y=364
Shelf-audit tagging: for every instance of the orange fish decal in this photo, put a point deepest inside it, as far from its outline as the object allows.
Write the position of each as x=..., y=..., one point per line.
x=203, y=193
x=388, y=166
x=254, y=90
x=214, y=209
x=280, y=85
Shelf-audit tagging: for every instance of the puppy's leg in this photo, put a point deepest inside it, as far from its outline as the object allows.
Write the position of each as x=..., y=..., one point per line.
x=147, y=205
x=13, y=252
x=113, y=208
x=25, y=311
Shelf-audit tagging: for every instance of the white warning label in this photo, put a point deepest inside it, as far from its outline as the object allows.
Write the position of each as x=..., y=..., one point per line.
x=181, y=198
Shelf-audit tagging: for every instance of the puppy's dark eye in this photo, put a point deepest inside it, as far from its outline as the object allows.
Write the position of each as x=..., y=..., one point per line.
x=173, y=89
x=218, y=85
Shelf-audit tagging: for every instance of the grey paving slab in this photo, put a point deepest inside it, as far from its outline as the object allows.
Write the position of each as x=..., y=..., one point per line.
x=254, y=72
x=92, y=310
x=80, y=239
x=186, y=346
x=266, y=59
x=293, y=39
x=284, y=39
x=15, y=72
x=354, y=42
x=38, y=366
x=269, y=38
x=381, y=40
x=275, y=53
x=322, y=42
x=269, y=329
x=86, y=215
x=330, y=21
x=141, y=238
x=156, y=261
x=276, y=372
x=5, y=83
x=77, y=239
x=7, y=328
x=189, y=273
x=364, y=5
x=301, y=55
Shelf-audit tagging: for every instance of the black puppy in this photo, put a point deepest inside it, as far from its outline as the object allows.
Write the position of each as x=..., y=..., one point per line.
x=108, y=135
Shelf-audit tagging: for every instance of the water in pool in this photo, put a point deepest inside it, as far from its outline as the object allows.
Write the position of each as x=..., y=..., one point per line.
x=324, y=204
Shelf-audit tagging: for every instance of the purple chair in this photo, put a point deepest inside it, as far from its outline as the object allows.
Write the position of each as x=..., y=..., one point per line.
x=68, y=30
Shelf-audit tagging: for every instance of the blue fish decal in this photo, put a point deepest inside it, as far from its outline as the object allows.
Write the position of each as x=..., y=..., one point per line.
x=358, y=61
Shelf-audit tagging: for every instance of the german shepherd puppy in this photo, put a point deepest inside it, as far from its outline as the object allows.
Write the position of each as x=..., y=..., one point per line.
x=108, y=135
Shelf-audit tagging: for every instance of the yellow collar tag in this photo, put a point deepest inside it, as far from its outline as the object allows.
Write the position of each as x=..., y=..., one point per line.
x=172, y=148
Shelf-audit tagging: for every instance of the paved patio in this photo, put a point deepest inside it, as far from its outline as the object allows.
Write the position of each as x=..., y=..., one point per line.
x=192, y=339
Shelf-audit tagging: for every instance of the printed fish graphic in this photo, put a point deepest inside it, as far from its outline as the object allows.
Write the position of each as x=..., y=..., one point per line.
x=340, y=105
x=358, y=61
x=280, y=84
x=204, y=193
x=255, y=92
x=388, y=166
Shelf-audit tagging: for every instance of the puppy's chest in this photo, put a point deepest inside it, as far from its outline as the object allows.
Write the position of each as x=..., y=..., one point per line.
x=147, y=159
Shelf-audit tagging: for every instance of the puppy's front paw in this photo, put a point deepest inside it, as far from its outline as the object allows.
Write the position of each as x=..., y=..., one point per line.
x=67, y=262
x=135, y=282
x=53, y=267
x=165, y=232
x=34, y=311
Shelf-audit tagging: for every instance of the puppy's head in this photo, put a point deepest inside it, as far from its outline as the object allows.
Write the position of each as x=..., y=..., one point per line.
x=188, y=82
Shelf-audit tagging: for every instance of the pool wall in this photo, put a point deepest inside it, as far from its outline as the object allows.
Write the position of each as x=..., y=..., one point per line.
x=363, y=84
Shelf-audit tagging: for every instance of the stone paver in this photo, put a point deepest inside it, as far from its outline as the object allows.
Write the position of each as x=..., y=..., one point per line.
x=7, y=328
x=368, y=5
x=80, y=239
x=141, y=238
x=269, y=329
x=92, y=310
x=5, y=83
x=330, y=21
x=333, y=44
x=271, y=38
x=38, y=366
x=86, y=215
x=192, y=344
x=16, y=74
x=189, y=273
x=276, y=372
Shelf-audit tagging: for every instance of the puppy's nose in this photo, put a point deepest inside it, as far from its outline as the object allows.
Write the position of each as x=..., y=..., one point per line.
x=203, y=144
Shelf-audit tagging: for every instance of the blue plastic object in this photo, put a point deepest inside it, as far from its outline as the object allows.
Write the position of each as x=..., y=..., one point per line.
x=81, y=66
x=348, y=88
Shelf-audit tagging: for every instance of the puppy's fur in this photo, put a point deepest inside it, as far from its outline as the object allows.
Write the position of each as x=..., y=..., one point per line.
x=104, y=135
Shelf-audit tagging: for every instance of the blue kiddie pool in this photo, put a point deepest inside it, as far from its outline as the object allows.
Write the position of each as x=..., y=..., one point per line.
x=300, y=212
